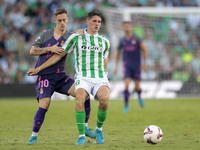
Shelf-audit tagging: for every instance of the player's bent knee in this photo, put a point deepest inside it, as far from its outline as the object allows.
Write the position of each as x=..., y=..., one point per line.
x=44, y=103
x=80, y=97
x=103, y=98
x=80, y=101
x=103, y=101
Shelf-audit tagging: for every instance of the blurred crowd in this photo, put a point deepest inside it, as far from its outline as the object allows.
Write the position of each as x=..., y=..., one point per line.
x=173, y=44
x=174, y=47
x=22, y=21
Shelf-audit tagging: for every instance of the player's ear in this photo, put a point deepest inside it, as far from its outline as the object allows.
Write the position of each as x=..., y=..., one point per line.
x=54, y=20
x=87, y=21
x=67, y=19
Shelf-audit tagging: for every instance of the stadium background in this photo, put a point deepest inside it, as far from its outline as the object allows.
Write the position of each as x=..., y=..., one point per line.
x=174, y=50
x=21, y=22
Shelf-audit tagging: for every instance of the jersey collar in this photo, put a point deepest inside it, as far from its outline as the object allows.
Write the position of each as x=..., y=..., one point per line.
x=87, y=34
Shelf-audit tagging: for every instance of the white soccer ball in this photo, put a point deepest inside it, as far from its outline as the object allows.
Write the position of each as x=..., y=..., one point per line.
x=153, y=134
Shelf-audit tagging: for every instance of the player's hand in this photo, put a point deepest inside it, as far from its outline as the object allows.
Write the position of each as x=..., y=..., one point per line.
x=32, y=72
x=144, y=67
x=56, y=49
x=80, y=31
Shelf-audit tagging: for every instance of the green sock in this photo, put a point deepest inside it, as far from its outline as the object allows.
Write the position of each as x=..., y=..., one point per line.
x=101, y=117
x=80, y=121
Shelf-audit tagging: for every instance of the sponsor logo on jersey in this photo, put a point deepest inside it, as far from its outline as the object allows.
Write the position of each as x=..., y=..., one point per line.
x=41, y=91
x=37, y=39
x=85, y=47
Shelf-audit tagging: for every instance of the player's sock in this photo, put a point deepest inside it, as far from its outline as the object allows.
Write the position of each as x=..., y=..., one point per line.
x=126, y=97
x=34, y=134
x=141, y=101
x=80, y=121
x=38, y=119
x=101, y=117
x=139, y=93
x=87, y=110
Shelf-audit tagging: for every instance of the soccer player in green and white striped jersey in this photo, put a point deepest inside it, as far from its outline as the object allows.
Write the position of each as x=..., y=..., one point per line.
x=91, y=57
x=90, y=52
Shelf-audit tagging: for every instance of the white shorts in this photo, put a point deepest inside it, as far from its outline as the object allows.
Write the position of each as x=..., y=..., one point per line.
x=91, y=85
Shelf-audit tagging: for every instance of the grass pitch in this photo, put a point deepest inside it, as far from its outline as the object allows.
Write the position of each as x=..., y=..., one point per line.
x=178, y=119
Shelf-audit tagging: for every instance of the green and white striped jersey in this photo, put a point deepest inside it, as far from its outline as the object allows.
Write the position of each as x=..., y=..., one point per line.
x=90, y=52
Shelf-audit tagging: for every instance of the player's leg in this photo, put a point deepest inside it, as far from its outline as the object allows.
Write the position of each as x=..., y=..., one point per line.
x=138, y=90
x=87, y=103
x=126, y=95
x=88, y=131
x=127, y=80
x=44, y=89
x=71, y=92
x=103, y=96
x=81, y=94
x=39, y=118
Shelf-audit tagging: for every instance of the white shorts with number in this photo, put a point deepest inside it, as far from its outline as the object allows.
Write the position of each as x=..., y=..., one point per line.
x=91, y=85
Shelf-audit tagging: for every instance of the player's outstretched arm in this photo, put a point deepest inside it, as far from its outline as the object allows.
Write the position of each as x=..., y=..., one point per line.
x=117, y=61
x=145, y=55
x=39, y=51
x=51, y=61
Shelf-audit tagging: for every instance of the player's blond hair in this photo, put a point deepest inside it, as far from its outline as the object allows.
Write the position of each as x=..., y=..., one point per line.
x=60, y=11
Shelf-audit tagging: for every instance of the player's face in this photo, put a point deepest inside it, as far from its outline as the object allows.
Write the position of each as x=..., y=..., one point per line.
x=61, y=21
x=127, y=27
x=94, y=24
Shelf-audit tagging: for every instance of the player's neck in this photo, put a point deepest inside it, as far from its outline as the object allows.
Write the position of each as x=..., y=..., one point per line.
x=91, y=32
x=58, y=33
x=128, y=35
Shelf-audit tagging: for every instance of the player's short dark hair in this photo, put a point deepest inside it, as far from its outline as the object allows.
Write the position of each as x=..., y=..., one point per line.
x=60, y=11
x=93, y=13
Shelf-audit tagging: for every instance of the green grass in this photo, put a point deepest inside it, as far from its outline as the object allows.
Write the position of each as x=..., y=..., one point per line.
x=178, y=119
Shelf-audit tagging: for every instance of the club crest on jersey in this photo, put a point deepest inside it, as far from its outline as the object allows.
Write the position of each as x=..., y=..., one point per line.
x=37, y=39
x=85, y=47
x=62, y=43
x=133, y=41
x=41, y=91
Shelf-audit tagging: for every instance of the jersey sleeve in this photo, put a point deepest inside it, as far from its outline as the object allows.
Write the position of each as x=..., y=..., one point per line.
x=107, y=49
x=40, y=40
x=70, y=43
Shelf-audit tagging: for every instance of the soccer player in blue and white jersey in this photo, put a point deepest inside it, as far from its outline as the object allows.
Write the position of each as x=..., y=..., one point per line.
x=53, y=78
x=131, y=46
x=91, y=53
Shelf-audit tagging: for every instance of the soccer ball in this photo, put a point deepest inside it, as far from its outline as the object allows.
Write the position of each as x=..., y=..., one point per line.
x=153, y=134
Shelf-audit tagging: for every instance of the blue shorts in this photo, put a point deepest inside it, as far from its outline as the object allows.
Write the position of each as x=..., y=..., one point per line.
x=131, y=72
x=47, y=84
